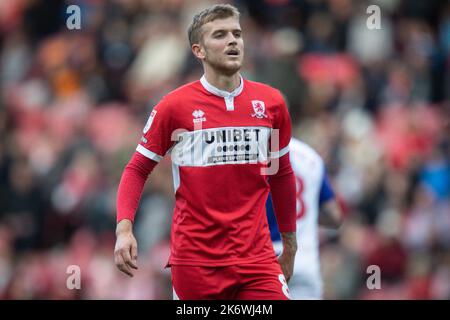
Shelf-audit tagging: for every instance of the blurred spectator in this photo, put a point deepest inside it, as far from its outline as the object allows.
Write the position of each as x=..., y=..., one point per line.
x=374, y=103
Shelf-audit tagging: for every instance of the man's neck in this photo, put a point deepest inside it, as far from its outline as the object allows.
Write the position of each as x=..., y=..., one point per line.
x=223, y=82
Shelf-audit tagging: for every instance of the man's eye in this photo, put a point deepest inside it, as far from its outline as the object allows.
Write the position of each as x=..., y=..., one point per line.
x=218, y=35
x=237, y=34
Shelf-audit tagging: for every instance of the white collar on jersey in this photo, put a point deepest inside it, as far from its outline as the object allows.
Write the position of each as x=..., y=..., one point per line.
x=222, y=93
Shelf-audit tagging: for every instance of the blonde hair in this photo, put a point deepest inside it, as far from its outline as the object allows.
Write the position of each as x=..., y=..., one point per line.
x=218, y=11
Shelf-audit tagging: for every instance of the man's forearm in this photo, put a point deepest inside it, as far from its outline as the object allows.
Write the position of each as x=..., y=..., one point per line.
x=289, y=240
x=131, y=186
x=283, y=189
x=330, y=215
x=124, y=226
x=287, y=258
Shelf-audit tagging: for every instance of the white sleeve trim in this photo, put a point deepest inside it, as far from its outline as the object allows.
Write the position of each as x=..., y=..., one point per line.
x=151, y=155
x=279, y=154
x=175, y=296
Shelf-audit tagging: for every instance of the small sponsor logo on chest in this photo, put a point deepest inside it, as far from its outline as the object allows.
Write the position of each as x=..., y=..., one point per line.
x=198, y=116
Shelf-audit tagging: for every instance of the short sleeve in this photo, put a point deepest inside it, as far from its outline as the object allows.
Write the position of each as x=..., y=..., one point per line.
x=326, y=191
x=157, y=133
x=282, y=122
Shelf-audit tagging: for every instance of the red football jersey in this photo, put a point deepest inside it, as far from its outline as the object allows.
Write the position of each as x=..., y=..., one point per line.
x=219, y=142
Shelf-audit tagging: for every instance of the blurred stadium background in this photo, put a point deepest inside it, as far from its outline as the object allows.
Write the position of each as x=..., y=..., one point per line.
x=374, y=103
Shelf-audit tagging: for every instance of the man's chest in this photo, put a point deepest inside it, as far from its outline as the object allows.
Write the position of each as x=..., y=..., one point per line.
x=214, y=112
x=213, y=134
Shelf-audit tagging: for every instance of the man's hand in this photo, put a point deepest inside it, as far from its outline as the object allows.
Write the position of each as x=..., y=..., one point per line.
x=125, y=252
x=287, y=257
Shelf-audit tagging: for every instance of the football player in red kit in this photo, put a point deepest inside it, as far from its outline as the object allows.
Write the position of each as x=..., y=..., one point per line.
x=219, y=133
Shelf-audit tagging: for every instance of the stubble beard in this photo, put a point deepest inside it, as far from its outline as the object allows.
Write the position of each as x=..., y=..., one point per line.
x=223, y=68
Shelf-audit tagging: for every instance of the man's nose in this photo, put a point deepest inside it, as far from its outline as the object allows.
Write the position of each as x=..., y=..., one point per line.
x=231, y=39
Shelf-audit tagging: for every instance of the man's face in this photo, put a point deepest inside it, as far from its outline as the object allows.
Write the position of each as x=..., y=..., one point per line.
x=222, y=46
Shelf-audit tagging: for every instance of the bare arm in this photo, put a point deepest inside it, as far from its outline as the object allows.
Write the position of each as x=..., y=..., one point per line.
x=287, y=257
x=330, y=214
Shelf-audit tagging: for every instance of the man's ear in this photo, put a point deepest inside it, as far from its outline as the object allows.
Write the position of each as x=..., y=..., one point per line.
x=198, y=51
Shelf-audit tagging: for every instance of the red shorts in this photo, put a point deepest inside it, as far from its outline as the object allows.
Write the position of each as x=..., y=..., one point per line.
x=255, y=281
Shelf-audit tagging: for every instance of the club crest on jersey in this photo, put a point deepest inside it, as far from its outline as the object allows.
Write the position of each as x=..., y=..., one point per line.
x=259, y=108
x=198, y=116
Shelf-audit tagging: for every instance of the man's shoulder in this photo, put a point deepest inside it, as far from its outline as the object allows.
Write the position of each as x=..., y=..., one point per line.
x=265, y=92
x=263, y=87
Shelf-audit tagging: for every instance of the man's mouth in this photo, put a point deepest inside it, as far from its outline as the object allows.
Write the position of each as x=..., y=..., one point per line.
x=232, y=52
